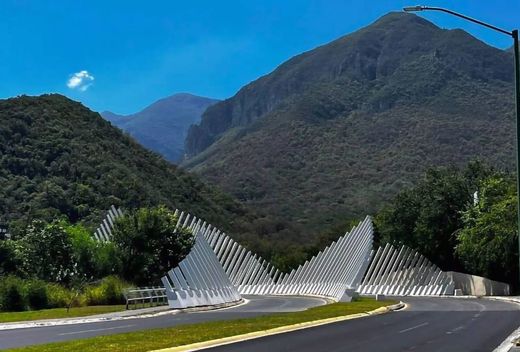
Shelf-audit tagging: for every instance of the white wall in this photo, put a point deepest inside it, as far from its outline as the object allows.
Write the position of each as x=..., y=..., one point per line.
x=478, y=286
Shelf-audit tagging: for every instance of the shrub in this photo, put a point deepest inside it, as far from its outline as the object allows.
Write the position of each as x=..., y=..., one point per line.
x=37, y=295
x=18, y=295
x=108, y=291
x=12, y=294
x=9, y=257
x=107, y=259
x=58, y=296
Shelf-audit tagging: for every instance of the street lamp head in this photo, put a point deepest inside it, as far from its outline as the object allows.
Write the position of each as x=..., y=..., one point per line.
x=413, y=8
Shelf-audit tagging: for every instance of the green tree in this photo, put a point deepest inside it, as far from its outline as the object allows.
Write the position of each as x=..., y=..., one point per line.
x=12, y=294
x=428, y=216
x=84, y=249
x=149, y=244
x=289, y=258
x=95, y=259
x=106, y=260
x=488, y=243
x=10, y=260
x=47, y=252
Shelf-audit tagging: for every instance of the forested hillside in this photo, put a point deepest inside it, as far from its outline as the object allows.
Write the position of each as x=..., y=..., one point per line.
x=334, y=133
x=58, y=159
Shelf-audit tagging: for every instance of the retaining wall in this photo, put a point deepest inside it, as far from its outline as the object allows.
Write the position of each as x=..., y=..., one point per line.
x=478, y=286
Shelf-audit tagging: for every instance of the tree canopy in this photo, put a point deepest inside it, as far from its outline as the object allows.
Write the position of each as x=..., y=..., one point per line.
x=488, y=241
x=442, y=219
x=59, y=159
x=150, y=243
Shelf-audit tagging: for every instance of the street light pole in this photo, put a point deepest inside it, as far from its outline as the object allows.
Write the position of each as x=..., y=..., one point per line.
x=514, y=35
x=517, y=90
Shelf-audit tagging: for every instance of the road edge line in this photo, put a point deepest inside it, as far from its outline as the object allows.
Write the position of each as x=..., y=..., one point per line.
x=508, y=343
x=279, y=330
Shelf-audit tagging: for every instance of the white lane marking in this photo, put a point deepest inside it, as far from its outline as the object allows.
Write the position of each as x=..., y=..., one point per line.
x=414, y=327
x=94, y=330
x=506, y=345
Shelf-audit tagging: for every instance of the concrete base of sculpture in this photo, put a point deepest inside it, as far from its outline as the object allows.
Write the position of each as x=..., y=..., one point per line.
x=348, y=295
x=380, y=297
x=345, y=298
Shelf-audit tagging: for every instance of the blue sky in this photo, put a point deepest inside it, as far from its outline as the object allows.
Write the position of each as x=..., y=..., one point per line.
x=127, y=54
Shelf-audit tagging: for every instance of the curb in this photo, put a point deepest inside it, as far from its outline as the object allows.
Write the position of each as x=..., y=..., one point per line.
x=512, y=299
x=213, y=307
x=280, y=330
x=509, y=344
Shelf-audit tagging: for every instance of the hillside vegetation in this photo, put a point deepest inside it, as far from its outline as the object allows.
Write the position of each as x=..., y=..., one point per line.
x=336, y=132
x=461, y=219
x=62, y=161
x=59, y=159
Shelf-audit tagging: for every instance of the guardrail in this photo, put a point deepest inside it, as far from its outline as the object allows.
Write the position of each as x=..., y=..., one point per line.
x=155, y=296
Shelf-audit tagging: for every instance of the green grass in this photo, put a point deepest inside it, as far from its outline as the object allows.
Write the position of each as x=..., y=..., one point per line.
x=55, y=313
x=147, y=340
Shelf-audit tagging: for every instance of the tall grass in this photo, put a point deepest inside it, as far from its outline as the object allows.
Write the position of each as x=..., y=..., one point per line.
x=18, y=295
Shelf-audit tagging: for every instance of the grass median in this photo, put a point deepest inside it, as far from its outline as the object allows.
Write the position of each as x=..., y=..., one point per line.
x=57, y=313
x=146, y=340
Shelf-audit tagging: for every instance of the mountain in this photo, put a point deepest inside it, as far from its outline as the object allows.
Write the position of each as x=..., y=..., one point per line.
x=162, y=126
x=113, y=118
x=334, y=133
x=58, y=158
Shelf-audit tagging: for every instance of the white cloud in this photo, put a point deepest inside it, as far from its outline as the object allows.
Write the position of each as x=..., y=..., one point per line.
x=81, y=81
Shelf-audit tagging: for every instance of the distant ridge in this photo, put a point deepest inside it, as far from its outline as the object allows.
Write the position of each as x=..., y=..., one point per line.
x=162, y=126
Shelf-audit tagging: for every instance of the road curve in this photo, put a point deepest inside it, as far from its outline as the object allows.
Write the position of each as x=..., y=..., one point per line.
x=427, y=324
x=257, y=305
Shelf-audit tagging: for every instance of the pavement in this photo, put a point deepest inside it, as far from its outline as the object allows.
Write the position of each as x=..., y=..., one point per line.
x=118, y=315
x=426, y=324
x=256, y=305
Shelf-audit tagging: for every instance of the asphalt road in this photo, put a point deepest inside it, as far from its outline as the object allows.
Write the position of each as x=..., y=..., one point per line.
x=257, y=305
x=428, y=324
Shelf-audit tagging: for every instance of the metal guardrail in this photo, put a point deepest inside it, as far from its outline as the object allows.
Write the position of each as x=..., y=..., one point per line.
x=155, y=296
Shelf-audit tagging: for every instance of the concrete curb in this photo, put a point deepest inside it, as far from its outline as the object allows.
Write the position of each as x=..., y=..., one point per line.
x=113, y=317
x=513, y=299
x=509, y=343
x=280, y=330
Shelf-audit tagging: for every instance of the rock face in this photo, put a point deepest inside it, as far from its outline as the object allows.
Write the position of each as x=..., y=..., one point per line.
x=334, y=132
x=162, y=126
